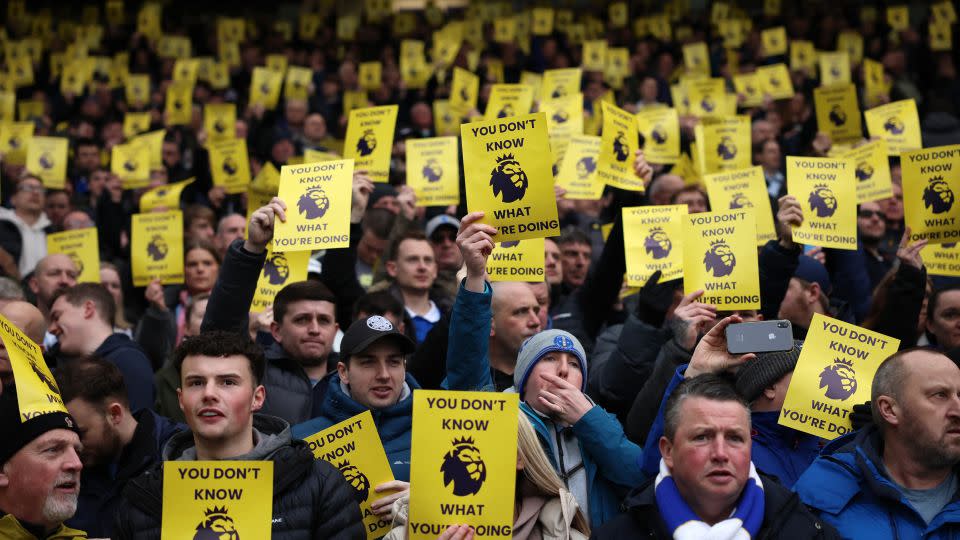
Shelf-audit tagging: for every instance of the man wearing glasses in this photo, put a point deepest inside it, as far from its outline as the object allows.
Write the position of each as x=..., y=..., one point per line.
x=871, y=227
x=29, y=221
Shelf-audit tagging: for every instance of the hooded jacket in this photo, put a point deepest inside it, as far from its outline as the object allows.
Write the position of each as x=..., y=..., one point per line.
x=332, y=405
x=310, y=497
x=849, y=488
x=781, y=451
x=123, y=352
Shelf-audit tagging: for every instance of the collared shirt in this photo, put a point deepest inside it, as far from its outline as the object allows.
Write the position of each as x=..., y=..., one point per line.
x=423, y=323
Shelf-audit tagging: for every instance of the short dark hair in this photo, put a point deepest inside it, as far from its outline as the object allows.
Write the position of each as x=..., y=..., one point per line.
x=298, y=291
x=379, y=221
x=709, y=386
x=198, y=211
x=409, y=234
x=378, y=303
x=98, y=294
x=935, y=299
x=221, y=344
x=93, y=380
x=573, y=235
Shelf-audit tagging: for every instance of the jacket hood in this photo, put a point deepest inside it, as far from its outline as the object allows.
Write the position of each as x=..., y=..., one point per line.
x=766, y=427
x=271, y=434
x=114, y=343
x=337, y=406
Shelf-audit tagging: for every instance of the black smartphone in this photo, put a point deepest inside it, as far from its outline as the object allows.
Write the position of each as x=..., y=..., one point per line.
x=759, y=336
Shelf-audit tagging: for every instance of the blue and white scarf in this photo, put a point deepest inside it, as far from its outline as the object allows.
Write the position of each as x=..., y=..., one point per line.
x=683, y=524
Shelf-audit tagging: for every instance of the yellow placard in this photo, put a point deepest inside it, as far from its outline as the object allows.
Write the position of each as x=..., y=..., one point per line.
x=354, y=99
x=774, y=41
x=775, y=81
x=156, y=248
x=47, y=158
x=743, y=189
x=508, y=169
x=618, y=146
x=74, y=77
x=131, y=162
x=542, y=23
x=318, y=198
x=825, y=189
x=463, y=92
x=720, y=257
x=277, y=62
x=464, y=458
x=14, y=139
x=944, y=12
x=834, y=68
x=153, y=141
x=433, y=170
x=803, y=56
x=564, y=121
x=898, y=124
x=696, y=58
x=219, y=121
x=135, y=124
x=229, y=165
x=653, y=240
x=686, y=169
x=835, y=372
x=297, y=83
x=265, y=87
x=185, y=70
x=166, y=197
x=179, y=104
x=8, y=102
x=20, y=71
x=723, y=144
x=660, y=128
x=931, y=182
x=872, y=170
x=594, y=55
x=518, y=260
x=578, y=170
x=748, y=86
x=508, y=100
x=706, y=96
x=445, y=122
x=941, y=36
x=217, y=498
x=370, y=75
x=851, y=42
x=942, y=259
x=504, y=29
x=263, y=188
x=369, y=140
x=838, y=113
x=898, y=17
x=37, y=391
x=82, y=248
x=278, y=270
x=137, y=89
x=558, y=83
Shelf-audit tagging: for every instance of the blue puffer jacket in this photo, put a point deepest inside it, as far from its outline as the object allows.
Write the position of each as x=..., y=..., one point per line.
x=332, y=406
x=847, y=486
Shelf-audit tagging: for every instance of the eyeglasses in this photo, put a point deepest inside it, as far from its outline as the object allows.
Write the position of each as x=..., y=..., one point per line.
x=32, y=188
x=867, y=214
x=440, y=237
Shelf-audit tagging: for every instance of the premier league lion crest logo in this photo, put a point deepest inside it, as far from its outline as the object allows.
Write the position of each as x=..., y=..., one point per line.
x=659, y=135
x=508, y=179
x=506, y=111
x=464, y=467
x=749, y=89
x=719, y=259
x=157, y=248
x=740, y=200
x=657, y=243
x=727, y=149
x=464, y=94
x=432, y=170
x=77, y=261
x=15, y=142
x=356, y=479
x=840, y=379
x=217, y=525
x=864, y=171
x=938, y=196
x=823, y=201
x=177, y=104
x=314, y=203
x=219, y=126
x=230, y=166
x=893, y=125
x=51, y=384
x=46, y=160
x=560, y=117
x=276, y=269
x=130, y=165
x=367, y=143
x=835, y=70
x=837, y=116
x=707, y=104
x=585, y=167
x=620, y=146
x=559, y=91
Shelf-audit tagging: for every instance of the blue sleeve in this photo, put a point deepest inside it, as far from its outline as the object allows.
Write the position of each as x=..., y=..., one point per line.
x=849, y=278
x=137, y=376
x=468, y=363
x=602, y=438
x=651, y=449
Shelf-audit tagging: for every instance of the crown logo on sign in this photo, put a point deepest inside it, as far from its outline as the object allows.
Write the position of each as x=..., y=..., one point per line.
x=938, y=178
x=821, y=186
x=216, y=511
x=843, y=361
x=343, y=464
x=717, y=242
x=505, y=157
x=465, y=440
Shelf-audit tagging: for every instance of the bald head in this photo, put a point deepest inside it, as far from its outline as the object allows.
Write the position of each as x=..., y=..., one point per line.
x=27, y=318
x=905, y=370
x=663, y=188
x=54, y=273
x=515, y=316
x=77, y=220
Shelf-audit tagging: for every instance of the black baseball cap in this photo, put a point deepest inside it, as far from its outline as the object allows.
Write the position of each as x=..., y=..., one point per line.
x=365, y=332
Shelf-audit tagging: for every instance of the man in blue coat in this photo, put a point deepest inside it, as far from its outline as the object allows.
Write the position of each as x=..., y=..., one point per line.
x=896, y=478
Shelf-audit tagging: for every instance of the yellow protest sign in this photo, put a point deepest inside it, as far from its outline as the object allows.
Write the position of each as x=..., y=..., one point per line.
x=941, y=36
x=696, y=58
x=686, y=169
x=706, y=96
x=369, y=140
x=370, y=75
x=37, y=391
x=179, y=103
x=564, y=120
x=354, y=99
x=803, y=56
x=47, y=158
x=748, y=86
x=897, y=123
x=872, y=170
x=504, y=29
x=20, y=71
x=8, y=102
x=774, y=41
x=898, y=17
x=278, y=270
x=156, y=248
x=835, y=372
x=508, y=100
x=825, y=188
x=743, y=189
x=533, y=80
x=542, y=23
x=185, y=70
x=135, y=124
x=153, y=142
x=851, y=42
x=265, y=87
x=219, y=121
x=463, y=92
x=594, y=55
x=723, y=144
x=14, y=139
x=507, y=163
x=229, y=165
x=277, y=62
x=931, y=181
x=445, y=122
x=838, y=114
x=82, y=248
x=464, y=458
x=720, y=257
x=75, y=75
x=217, y=499
x=578, y=170
x=318, y=199
x=653, y=240
x=660, y=128
x=942, y=259
x=166, y=197
x=131, y=162
x=297, y=83
x=559, y=83
x=518, y=260
x=834, y=68
x=775, y=81
x=263, y=188
x=943, y=12
x=618, y=145
x=433, y=170
x=137, y=89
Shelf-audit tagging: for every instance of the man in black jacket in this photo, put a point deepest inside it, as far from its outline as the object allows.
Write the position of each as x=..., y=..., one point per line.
x=220, y=374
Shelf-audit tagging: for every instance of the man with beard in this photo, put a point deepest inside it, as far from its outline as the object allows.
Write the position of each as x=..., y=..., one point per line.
x=896, y=478
x=39, y=473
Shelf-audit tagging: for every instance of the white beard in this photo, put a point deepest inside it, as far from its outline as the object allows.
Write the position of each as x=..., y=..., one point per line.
x=58, y=508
